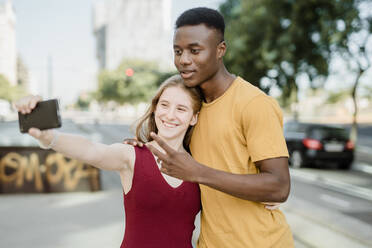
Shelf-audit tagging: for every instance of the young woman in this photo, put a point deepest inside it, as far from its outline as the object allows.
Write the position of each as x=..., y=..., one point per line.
x=159, y=210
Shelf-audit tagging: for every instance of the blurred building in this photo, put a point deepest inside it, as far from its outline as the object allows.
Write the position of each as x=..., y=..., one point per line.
x=8, y=52
x=127, y=29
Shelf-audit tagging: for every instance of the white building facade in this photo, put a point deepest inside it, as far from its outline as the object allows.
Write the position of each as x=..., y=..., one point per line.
x=8, y=50
x=130, y=29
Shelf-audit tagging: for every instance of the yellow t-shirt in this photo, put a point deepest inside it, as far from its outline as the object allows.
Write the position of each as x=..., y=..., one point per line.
x=242, y=126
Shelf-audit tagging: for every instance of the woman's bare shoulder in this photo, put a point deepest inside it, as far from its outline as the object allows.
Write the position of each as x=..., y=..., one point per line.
x=126, y=152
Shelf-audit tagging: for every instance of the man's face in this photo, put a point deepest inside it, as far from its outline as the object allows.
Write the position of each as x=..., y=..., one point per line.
x=196, y=53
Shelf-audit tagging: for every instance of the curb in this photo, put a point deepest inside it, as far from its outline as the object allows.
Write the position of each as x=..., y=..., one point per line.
x=364, y=149
x=314, y=226
x=363, y=167
x=335, y=185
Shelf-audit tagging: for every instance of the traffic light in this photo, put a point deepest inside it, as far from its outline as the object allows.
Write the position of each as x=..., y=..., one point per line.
x=129, y=72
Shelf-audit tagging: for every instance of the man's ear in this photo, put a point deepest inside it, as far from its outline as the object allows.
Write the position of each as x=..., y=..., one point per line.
x=221, y=49
x=194, y=119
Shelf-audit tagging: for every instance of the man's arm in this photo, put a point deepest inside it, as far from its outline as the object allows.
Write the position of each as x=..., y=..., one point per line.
x=272, y=184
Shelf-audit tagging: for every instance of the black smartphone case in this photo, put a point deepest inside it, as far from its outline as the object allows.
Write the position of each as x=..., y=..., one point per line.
x=44, y=116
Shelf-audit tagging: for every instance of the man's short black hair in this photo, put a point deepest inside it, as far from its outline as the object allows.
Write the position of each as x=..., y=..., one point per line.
x=201, y=15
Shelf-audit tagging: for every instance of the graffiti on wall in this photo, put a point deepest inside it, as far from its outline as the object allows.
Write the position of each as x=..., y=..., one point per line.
x=38, y=170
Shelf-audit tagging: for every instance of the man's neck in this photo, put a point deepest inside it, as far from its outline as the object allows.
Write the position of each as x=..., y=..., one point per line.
x=218, y=85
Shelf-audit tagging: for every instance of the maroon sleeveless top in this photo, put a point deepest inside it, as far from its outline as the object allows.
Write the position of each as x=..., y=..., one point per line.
x=156, y=214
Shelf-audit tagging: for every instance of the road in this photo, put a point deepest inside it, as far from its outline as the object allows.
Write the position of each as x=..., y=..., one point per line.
x=335, y=195
x=338, y=200
x=365, y=135
x=326, y=207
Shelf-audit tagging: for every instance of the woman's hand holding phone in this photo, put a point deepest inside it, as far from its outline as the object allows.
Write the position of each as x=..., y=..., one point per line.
x=25, y=106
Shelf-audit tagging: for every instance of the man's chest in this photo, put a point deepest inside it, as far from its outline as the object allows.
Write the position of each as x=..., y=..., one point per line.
x=219, y=126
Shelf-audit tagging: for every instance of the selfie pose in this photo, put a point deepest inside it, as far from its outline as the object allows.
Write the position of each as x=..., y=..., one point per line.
x=239, y=154
x=159, y=210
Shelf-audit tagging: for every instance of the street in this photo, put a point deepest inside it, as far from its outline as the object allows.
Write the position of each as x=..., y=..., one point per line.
x=326, y=208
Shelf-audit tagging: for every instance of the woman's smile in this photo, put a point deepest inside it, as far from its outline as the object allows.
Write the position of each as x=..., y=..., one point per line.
x=169, y=124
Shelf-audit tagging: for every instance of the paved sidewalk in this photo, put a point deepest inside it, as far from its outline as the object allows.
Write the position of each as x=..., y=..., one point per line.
x=316, y=227
x=96, y=220
x=62, y=220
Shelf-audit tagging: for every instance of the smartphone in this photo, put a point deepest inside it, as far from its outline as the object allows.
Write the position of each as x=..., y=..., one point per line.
x=44, y=116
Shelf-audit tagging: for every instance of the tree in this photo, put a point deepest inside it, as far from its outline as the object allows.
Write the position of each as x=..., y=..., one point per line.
x=274, y=42
x=162, y=76
x=8, y=92
x=357, y=53
x=22, y=73
x=4, y=88
x=84, y=100
x=134, y=81
x=335, y=97
x=367, y=92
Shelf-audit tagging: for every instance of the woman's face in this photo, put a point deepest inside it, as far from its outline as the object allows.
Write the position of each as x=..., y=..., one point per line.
x=174, y=113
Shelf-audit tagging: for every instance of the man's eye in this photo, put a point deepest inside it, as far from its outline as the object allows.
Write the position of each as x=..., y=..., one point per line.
x=194, y=51
x=177, y=52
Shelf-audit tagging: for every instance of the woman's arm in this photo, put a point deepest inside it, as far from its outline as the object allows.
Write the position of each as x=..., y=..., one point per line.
x=116, y=157
x=108, y=157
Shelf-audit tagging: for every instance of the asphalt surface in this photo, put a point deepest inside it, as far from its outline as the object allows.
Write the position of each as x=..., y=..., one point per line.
x=326, y=208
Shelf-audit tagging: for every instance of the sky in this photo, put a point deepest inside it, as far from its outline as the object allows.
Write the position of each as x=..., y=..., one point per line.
x=61, y=32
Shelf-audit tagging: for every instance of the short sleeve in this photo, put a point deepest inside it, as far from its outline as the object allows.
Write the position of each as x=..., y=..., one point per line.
x=263, y=129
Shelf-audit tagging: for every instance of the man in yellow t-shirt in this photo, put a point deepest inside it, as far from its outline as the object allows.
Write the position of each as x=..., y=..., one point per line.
x=240, y=158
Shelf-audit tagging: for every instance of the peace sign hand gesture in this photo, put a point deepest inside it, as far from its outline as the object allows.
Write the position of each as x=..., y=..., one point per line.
x=174, y=163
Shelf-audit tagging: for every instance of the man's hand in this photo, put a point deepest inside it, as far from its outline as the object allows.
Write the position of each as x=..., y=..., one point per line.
x=271, y=205
x=133, y=142
x=272, y=184
x=176, y=164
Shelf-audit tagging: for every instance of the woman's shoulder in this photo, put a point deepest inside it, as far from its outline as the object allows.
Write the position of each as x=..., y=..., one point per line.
x=126, y=152
x=122, y=147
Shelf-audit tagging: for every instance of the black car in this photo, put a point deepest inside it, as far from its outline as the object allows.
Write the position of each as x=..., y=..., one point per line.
x=318, y=144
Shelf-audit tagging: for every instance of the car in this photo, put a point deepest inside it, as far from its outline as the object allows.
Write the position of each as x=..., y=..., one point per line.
x=318, y=144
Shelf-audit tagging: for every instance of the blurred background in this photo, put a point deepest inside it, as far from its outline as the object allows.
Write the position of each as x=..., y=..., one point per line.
x=104, y=59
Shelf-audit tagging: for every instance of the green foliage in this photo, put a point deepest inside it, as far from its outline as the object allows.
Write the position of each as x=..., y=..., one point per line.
x=335, y=97
x=84, y=101
x=9, y=92
x=162, y=76
x=4, y=88
x=366, y=92
x=117, y=86
x=275, y=41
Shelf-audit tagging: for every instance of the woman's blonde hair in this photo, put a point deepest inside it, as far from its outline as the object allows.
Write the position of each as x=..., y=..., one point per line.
x=146, y=124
